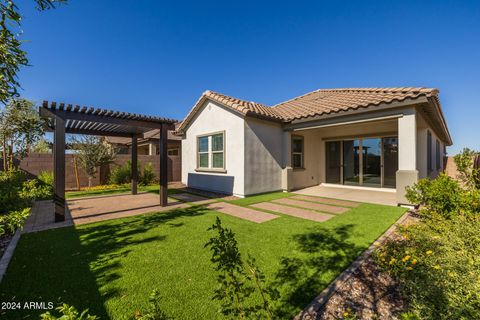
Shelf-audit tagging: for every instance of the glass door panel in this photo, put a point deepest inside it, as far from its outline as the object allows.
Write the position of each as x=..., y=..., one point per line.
x=351, y=162
x=371, y=162
x=333, y=161
x=390, y=161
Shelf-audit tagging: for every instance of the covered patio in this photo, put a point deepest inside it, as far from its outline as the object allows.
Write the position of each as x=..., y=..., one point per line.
x=68, y=119
x=367, y=195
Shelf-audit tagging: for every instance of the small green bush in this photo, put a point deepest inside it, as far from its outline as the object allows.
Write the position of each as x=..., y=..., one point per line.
x=123, y=174
x=11, y=184
x=442, y=195
x=148, y=176
x=46, y=177
x=68, y=313
x=10, y=222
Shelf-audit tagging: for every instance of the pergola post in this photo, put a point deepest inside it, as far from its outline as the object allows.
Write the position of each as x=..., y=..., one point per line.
x=134, y=165
x=163, y=166
x=59, y=169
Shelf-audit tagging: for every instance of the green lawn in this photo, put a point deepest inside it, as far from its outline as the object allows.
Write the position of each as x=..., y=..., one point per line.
x=111, y=267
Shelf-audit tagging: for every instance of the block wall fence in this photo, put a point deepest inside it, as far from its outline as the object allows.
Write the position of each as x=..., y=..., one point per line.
x=38, y=162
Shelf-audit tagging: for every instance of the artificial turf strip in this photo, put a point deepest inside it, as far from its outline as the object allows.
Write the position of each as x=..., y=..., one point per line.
x=111, y=267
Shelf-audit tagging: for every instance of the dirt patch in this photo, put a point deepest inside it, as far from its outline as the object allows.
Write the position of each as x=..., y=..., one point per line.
x=369, y=292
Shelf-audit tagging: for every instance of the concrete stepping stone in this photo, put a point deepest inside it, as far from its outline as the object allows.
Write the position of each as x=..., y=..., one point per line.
x=188, y=197
x=294, y=212
x=337, y=202
x=311, y=205
x=242, y=212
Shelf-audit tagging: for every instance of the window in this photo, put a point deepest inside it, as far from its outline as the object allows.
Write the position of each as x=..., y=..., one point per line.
x=429, y=152
x=172, y=152
x=297, y=152
x=211, y=151
x=437, y=155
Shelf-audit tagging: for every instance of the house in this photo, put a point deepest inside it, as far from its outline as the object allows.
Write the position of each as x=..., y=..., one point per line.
x=148, y=144
x=356, y=137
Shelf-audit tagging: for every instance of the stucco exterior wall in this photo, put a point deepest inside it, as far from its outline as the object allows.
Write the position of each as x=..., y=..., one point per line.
x=263, y=156
x=422, y=150
x=213, y=118
x=310, y=174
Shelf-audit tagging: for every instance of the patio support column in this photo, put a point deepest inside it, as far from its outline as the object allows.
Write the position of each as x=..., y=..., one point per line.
x=134, y=165
x=163, y=165
x=407, y=173
x=287, y=171
x=59, y=169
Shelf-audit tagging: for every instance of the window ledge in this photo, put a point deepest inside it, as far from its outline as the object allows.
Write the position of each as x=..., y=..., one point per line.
x=211, y=170
x=299, y=169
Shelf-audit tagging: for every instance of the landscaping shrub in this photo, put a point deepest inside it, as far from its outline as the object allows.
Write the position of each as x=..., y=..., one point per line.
x=148, y=175
x=436, y=259
x=46, y=177
x=123, y=174
x=16, y=196
x=68, y=313
x=238, y=280
x=10, y=222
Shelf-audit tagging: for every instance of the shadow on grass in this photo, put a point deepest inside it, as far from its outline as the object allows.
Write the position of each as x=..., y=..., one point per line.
x=77, y=266
x=324, y=254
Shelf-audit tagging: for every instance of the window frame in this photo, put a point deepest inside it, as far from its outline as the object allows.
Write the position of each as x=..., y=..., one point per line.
x=210, y=152
x=174, y=149
x=302, y=153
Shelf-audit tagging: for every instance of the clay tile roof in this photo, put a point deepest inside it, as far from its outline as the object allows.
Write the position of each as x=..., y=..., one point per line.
x=319, y=102
x=325, y=101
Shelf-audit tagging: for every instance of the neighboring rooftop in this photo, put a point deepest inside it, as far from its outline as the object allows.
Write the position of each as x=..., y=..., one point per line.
x=316, y=103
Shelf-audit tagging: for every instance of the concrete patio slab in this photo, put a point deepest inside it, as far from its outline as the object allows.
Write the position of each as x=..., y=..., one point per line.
x=336, y=202
x=242, y=212
x=294, y=212
x=194, y=199
x=386, y=197
x=311, y=205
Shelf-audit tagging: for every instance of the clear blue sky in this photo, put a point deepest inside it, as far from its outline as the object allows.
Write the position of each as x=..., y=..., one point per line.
x=157, y=57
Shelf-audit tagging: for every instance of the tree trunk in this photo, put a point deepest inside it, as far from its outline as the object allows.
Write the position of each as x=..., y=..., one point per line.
x=10, y=167
x=89, y=181
x=75, y=168
x=4, y=142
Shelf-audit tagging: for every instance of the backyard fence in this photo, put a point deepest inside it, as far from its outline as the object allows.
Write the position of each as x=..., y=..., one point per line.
x=38, y=162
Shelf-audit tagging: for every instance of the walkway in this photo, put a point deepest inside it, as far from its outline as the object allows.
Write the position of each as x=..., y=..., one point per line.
x=366, y=195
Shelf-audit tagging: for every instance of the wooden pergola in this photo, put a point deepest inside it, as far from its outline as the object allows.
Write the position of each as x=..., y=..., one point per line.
x=66, y=118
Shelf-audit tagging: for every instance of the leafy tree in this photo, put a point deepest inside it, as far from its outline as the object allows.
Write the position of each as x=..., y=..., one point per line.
x=92, y=152
x=20, y=128
x=12, y=57
x=42, y=146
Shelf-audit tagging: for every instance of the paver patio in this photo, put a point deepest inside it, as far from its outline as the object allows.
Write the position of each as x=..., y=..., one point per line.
x=311, y=205
x=294, y=212
x=242, y=212
x=94, y=209
x=337, y=202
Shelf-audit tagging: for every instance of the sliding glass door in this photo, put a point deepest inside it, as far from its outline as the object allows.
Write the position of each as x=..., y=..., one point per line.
x=333, y=162
x=372, y=162
x=369, y=162
x=351, y=162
